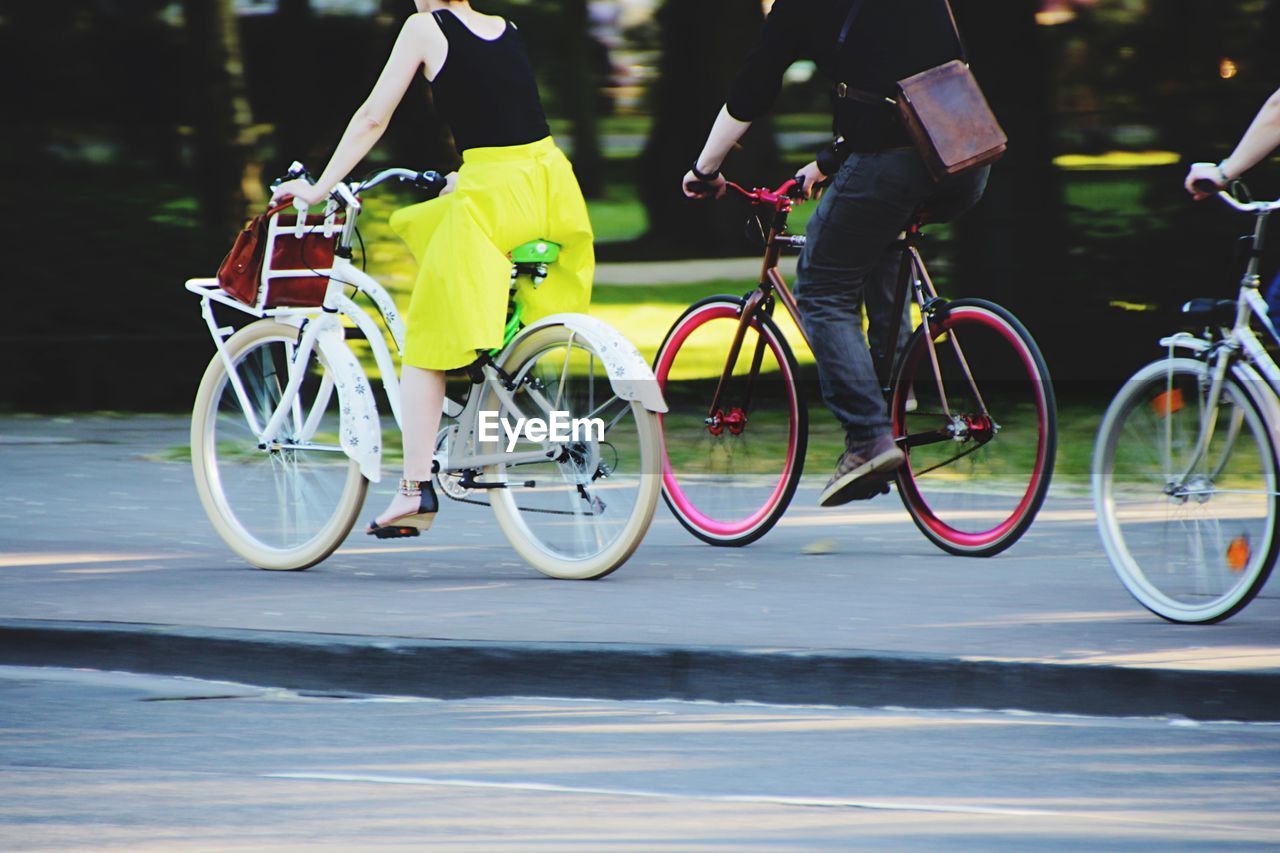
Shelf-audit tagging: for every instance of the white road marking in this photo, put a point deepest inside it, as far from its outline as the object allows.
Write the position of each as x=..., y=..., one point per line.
x=823, y=802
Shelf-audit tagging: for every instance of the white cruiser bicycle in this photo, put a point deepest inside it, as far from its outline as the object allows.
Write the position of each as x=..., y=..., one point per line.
x=1186, y=470
x=286, y=435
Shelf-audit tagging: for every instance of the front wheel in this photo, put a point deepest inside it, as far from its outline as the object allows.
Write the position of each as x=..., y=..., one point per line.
x=289, y=505
x=973, y=410
x=580, y=510
x=1188, y=522
x=729, y=474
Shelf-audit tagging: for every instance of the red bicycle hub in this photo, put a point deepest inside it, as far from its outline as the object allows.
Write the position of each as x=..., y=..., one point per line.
x=735, y=420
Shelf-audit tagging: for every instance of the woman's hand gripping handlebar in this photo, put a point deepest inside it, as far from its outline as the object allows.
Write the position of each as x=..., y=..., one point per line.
x=1209, y=188
x=299, y=186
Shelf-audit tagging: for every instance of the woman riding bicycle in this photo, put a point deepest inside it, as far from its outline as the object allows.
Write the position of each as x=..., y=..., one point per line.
x=514, y=186
x=883, y=183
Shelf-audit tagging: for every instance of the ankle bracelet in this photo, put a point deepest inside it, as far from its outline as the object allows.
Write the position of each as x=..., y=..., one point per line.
x=410, y=488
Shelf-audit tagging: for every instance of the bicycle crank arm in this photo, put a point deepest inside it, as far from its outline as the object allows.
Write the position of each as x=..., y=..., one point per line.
x=919, y=439
x=468, y=481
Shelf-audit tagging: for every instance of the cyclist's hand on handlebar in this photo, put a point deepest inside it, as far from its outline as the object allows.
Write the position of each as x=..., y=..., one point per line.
x=450, y=183
x=1202, y=176
x=695, y=187
x=811, y=178
x=300, y=190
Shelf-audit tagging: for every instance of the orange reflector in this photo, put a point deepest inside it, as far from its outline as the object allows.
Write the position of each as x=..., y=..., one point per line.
x=1238, y=554
x=1167, y=403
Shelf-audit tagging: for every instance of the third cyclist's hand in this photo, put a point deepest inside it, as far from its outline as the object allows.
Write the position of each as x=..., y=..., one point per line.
x=1203, y=174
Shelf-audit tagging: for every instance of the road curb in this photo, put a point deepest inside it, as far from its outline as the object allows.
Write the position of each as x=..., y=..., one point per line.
x=456, y=669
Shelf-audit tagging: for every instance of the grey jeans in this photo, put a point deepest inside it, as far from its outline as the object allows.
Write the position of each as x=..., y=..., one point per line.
x=849, y=257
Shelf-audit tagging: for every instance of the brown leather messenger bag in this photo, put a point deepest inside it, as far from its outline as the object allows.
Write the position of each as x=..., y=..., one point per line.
x=943, y=110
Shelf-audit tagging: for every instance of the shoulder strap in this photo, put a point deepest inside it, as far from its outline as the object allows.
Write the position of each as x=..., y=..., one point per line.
x=848, y=24
x=857, y=7
x=964, y=53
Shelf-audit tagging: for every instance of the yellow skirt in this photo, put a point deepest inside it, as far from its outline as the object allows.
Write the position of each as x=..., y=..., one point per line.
x=504, y=197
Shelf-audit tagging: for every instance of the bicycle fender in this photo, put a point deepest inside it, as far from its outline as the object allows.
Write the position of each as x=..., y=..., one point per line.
x=1187, y=341
x=630, y=375
x=361, y=431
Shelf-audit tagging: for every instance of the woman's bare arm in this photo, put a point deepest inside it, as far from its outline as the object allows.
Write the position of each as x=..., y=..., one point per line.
x=420, y=43
x=1262, y=137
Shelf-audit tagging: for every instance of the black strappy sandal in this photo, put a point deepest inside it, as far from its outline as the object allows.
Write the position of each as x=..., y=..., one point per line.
x=413, y=523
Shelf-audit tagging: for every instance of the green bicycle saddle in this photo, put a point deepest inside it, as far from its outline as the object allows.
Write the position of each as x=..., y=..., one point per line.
x=536, y=252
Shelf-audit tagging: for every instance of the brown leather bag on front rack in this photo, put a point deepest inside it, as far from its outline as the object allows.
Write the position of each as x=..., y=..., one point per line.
x=240, y=273
x=943, y=110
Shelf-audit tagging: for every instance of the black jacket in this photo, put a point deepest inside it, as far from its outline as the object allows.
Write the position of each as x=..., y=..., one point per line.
x=890, y=40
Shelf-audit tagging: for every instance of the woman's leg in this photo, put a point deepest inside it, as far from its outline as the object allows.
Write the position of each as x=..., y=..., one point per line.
x=421, y=403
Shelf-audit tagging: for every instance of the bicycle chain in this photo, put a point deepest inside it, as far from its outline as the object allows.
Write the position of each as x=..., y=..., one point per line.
x=522, y=509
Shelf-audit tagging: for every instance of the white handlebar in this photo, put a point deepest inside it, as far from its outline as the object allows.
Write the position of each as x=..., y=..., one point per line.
x=1254, y=207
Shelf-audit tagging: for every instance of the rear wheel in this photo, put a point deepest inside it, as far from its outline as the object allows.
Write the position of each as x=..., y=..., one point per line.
x=591, y=503
x=728, y=475
x=975, y=415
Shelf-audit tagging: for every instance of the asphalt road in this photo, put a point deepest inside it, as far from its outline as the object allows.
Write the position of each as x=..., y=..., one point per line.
x=92, y=528
x=106, y=761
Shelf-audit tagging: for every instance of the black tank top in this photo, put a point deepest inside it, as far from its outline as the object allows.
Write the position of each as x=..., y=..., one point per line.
x=486, y=91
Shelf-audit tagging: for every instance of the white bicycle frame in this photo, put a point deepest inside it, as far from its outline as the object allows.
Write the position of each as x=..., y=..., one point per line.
x=322, y=327
x=1239, y=350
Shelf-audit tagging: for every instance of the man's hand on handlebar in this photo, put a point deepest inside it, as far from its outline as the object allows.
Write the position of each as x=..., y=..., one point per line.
x=811, y=178
x=1204, y=180
x=695, y=187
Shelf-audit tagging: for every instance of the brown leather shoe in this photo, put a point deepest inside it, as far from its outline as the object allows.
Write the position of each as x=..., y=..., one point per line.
x=860, y=469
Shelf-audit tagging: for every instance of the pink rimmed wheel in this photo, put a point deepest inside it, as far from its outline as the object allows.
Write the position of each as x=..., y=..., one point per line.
x=730, y=469
x=979, y=426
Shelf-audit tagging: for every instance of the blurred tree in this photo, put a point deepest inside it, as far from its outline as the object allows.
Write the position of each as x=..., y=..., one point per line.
x=1016, y=232
x=227, y=178
x=294, y=12
x=703, y=44
x=578, y=92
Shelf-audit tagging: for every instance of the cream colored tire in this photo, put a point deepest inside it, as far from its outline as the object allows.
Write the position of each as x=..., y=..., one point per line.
x=214, y=455
x=522, y=528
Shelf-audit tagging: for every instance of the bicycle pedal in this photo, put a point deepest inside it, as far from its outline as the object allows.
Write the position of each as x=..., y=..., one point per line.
x=867, y=491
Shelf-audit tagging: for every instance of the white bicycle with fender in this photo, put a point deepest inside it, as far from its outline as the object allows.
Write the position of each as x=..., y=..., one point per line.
x=286, y=432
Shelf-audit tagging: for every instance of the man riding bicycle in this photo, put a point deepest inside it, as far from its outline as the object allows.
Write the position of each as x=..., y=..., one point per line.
x=878, y=183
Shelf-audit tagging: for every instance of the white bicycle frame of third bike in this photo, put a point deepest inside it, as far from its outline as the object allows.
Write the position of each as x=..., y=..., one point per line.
x=1227, y=364
x=1238, y=348
x=322, y=329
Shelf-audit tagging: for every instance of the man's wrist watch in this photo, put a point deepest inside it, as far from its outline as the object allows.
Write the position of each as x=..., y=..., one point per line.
x=702, y=176
x=1222, y=174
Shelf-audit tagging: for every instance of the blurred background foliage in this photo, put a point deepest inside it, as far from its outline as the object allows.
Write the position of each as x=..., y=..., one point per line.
x=148, y=129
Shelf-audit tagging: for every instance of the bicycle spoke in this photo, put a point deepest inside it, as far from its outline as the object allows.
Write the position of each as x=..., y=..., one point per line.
x=980, y=437
x=732, y=465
